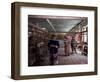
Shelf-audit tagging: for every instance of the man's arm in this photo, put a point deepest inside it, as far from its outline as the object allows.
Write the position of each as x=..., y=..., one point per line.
x=58, y=44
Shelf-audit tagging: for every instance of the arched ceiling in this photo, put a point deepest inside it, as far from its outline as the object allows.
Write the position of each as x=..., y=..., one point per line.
x=55, y=23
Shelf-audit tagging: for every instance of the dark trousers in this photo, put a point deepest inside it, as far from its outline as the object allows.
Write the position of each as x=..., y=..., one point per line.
x=73, y=49
x=53, y=57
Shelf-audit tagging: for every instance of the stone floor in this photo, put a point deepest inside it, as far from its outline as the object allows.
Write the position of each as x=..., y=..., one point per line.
x=75, y=58
x=72, y=59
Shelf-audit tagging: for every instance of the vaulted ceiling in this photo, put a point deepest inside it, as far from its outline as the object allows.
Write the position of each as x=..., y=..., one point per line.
x=55, y=23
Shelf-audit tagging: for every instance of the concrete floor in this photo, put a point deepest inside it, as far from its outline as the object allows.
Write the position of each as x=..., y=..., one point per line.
x=75, y=58
x=64, y=59
x=72, y=59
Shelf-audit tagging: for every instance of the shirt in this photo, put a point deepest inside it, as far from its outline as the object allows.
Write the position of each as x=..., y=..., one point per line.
x=52, y=44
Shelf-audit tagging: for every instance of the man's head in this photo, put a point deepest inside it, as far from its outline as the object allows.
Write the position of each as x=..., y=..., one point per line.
x=54, y=36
